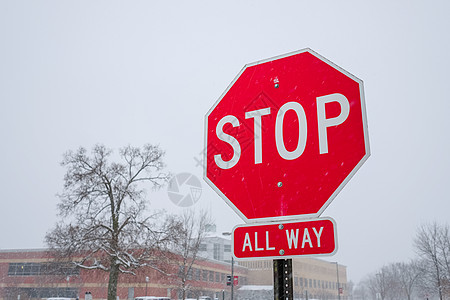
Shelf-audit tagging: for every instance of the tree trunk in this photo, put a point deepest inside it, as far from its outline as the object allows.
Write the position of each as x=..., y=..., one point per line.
x=113, y=280
x=183, y=290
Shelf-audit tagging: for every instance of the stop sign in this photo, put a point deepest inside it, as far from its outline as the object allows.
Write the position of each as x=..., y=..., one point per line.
x=286, y=136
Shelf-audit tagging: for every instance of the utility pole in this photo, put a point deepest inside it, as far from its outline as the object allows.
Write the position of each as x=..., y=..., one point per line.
x=337, y=275
x=232, y=277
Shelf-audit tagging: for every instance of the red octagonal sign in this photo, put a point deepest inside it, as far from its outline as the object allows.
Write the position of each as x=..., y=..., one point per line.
x=286, y=136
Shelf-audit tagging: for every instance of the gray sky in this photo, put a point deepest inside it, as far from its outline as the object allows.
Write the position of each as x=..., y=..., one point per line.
x=76, y=73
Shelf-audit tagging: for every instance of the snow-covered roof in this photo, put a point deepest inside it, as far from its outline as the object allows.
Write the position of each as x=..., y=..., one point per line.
x=24, y=250
x=217, y=235
x=256, y=288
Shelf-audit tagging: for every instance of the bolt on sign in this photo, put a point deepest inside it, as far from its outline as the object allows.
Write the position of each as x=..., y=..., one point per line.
x=285, y=137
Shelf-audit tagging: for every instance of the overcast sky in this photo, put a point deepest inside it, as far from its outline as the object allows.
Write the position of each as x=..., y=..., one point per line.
x=77, y=73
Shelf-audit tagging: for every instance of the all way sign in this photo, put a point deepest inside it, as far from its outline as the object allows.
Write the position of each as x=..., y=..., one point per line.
x=285, y=240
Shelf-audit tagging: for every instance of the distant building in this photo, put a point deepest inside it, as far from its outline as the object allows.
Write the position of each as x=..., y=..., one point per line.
x=312, y=278
x=34, y=274
x=216, y=247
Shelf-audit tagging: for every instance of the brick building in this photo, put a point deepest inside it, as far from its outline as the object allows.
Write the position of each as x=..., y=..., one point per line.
x=34, y=274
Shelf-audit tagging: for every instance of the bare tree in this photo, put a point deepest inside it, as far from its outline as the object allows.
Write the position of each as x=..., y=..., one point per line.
x=362, y=291
x=432, y=245
x=192, y=228
x=404, y=279
x=378, y=285
x=444, y=249
x=384, y=284
x=103, y=208
x=395, y=281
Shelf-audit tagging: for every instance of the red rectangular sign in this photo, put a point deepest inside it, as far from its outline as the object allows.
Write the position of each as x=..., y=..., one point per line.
x=284, y=240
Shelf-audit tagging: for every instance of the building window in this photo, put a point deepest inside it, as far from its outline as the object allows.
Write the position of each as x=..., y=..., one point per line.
x=226, y=248
x=189, y=274
x=197, y=273
x=181, y=271
x=216, y=253
x=211, y=276
x=38, y=293
x=205, y=275
x=202, y=247
x=27, y=269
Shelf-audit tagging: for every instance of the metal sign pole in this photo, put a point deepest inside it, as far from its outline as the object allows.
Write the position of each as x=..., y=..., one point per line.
x=282, y=279
x=232, y=277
